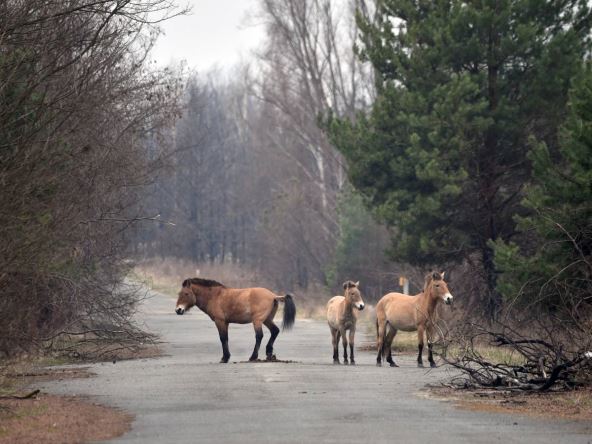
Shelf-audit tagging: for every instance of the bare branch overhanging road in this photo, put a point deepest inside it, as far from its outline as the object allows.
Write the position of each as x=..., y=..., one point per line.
x=187, y=397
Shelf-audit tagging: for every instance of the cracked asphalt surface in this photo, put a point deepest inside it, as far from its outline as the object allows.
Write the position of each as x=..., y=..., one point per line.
x=187, y=397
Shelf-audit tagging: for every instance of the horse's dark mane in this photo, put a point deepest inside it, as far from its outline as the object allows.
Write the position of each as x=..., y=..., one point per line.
x=348, y=284
x=202, y=282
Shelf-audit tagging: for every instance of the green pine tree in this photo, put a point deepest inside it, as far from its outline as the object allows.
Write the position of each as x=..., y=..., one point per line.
x=461, y=86
x=554, y=265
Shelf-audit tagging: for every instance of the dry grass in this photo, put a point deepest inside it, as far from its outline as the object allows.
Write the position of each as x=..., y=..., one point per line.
x=166, y=276
x=406, y=342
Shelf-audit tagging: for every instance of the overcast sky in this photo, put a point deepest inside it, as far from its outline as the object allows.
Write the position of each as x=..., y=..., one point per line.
x=216, y=32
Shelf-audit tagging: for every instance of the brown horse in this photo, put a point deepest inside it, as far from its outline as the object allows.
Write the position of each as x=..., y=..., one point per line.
x=341, y=317
x=237, y=306
x=396, y=311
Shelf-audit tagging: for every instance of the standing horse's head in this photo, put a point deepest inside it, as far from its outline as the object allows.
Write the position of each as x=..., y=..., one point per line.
x=353, y=295
x=186, y=298
x=437, y=288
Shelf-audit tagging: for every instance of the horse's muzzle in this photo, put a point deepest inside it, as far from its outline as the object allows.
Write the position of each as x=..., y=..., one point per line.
x=448, y=299
x=179, y=310
x=360, y=306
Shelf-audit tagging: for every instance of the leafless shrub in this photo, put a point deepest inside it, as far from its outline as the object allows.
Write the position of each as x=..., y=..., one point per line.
x=79, y=104
x=540, y=353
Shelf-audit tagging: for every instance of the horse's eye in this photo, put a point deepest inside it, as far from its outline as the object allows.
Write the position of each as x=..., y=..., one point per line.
x=437, y=285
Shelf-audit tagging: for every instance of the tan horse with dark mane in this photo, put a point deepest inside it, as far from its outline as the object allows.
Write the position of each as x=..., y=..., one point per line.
x=397, y=311
x=342, y=317
x=237, y=306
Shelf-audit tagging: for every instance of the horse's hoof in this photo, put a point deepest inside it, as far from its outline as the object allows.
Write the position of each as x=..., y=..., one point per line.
x=336, y=362
x=420, y=364
x=253, y=359
x=392, y=364
x=379, y=364
x=352, y=363
x=224, y=360
x=433, y=365
x=271, y=358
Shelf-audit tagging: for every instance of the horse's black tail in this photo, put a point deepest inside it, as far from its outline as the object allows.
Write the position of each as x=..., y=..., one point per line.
x=289, y=312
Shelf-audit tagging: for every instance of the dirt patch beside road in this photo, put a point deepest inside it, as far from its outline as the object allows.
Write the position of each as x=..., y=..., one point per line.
x=59, y=419
x=572, y=405
x=54, y=419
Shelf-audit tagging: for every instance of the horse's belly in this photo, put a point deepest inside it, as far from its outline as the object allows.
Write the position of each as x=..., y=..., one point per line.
x=244, y=316
x=407, y=327
x=403, y=323
x=349, y=323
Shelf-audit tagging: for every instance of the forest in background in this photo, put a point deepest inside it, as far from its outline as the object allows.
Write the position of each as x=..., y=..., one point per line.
x=255, y=181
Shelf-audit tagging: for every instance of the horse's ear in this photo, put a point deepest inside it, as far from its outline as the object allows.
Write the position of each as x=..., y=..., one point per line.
x=357, y=284
x=436, y=276
x=185, y=283
x=345, y=285
x=442, y=273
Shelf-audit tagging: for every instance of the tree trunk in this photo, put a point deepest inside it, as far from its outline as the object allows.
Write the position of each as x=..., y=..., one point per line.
x=493, y=297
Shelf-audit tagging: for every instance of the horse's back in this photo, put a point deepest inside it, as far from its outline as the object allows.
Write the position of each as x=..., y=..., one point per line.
x=260, y=293
x=243, y=305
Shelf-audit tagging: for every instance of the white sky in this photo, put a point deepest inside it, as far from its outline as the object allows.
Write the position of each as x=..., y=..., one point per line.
x=216, y=33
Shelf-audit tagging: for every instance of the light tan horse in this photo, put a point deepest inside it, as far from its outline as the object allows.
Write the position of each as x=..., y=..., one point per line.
x=237, y=306
x=342, y=317
x=396, y=311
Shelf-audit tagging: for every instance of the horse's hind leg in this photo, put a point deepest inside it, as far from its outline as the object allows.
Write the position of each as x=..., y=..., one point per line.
x=258, y=337
x=223, y=332
x=275, y=331
x=388, y=345
x=380, y=326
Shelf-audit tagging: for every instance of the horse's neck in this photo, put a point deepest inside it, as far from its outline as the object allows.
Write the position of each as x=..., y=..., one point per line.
x=348, y=307
x=203, y=296
x=426, y=304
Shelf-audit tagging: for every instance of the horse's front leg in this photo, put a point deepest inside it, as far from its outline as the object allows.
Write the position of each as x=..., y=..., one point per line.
x=223, y=332
x=258, y=337
x=420, y=332
x=344, y=339
x=335, y=342
x=430, y=338
x=352, y=332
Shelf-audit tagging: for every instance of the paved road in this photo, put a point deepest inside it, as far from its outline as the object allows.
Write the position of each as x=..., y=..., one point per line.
x=187, y=397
